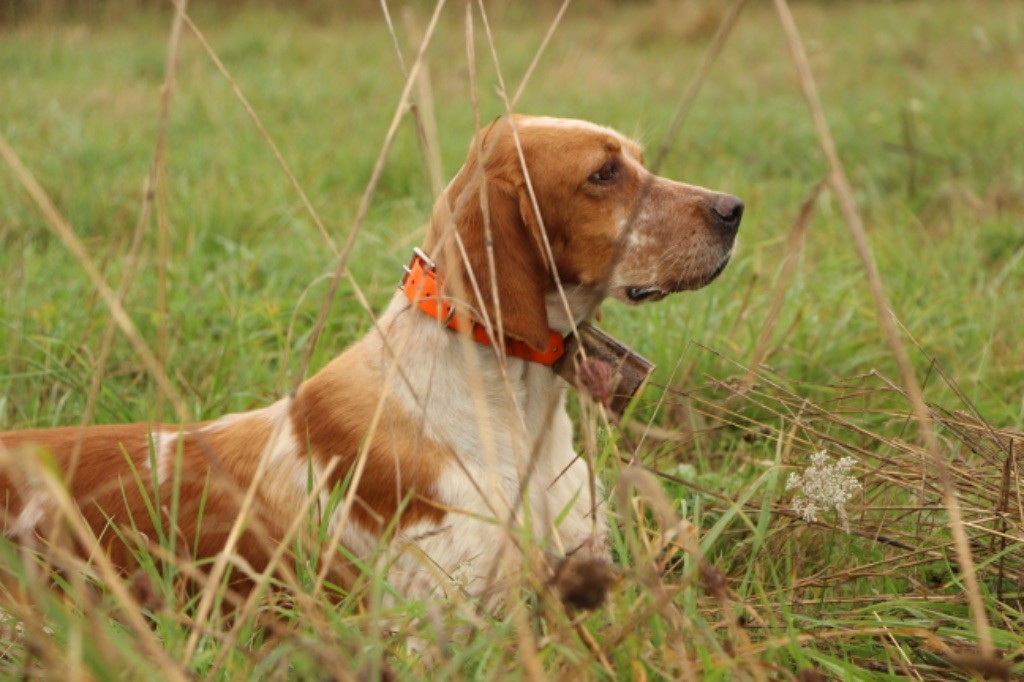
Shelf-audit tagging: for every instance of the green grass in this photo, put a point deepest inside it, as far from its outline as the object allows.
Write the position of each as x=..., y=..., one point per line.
x=925, y=103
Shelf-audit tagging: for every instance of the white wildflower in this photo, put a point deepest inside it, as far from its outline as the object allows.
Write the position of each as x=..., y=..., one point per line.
x=825, y=484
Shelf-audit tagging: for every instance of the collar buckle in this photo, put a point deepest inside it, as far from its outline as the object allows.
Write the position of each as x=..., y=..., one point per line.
x=425, y=262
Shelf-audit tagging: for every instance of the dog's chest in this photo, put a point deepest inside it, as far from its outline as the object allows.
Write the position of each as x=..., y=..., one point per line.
x=512, y=475
x=496, y=421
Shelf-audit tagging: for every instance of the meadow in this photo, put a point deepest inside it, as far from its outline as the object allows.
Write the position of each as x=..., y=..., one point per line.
x=718, y=576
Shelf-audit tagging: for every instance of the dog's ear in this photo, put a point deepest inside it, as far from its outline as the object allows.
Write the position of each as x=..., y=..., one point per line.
x=487, y=203
x=518, y=280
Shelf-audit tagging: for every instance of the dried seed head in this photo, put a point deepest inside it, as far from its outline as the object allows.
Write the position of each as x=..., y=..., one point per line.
x=582, y=583
x=384, y=674
x=713, y=581
x=142, y=590
x=990, y=666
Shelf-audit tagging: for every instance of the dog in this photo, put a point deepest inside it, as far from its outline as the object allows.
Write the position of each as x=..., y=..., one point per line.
x=444, y=429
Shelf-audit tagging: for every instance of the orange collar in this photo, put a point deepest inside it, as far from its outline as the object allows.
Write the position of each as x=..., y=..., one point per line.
x=422, y=285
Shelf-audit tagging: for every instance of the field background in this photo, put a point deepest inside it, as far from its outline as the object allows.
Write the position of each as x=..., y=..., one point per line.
x=926, y=103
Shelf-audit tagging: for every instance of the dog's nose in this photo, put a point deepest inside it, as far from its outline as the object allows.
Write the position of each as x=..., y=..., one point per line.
x=728, y=210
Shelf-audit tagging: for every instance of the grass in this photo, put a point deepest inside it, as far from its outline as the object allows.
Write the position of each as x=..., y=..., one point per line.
x=718, y=577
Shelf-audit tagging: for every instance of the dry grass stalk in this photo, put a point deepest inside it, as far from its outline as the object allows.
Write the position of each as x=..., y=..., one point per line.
x=254, y=117
x=364, y=203
x=794, y=247
x=885, y=319
x=66, y=233
x=722, y=34
x=206, y=604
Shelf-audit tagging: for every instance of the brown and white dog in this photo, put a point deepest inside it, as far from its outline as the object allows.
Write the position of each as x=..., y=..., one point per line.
x=445, y=422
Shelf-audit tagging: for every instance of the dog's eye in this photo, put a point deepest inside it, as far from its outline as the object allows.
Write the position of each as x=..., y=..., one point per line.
x=607, y=174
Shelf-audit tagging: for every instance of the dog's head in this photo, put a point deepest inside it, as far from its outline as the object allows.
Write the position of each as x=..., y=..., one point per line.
x=586, y=210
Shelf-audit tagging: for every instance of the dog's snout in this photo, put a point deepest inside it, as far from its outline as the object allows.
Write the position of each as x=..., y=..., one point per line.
x=728, y=210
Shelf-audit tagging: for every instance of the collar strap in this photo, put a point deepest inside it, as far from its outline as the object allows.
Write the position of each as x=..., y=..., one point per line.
x=422, y=286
